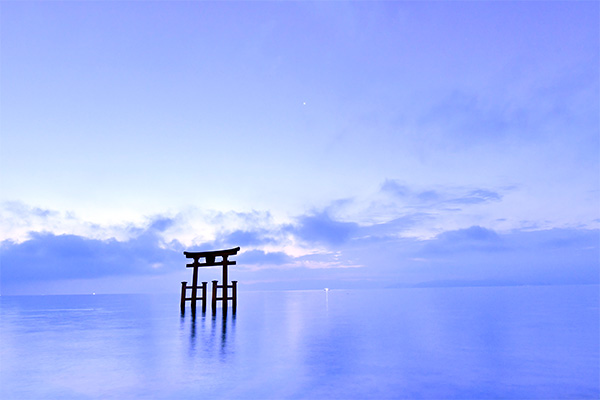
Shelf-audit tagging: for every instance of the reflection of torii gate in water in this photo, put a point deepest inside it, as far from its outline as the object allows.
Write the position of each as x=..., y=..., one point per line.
x=210, y=260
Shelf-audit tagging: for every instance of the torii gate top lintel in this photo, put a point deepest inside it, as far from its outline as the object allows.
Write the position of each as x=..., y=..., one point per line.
x=210, y=257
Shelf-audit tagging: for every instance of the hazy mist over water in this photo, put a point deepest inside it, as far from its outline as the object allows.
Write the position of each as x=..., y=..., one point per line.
x=486, y=342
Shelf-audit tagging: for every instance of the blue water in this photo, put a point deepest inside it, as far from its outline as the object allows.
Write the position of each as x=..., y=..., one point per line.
x=488, y=342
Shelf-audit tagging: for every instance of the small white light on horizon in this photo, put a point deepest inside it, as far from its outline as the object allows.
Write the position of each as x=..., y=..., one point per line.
x=327, y=289
x=304, y=103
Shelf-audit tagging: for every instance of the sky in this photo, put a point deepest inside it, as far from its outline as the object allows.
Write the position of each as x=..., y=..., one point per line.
x=339, y=144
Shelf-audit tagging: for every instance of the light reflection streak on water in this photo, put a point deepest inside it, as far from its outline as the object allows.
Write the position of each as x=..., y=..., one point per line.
x=212, y=331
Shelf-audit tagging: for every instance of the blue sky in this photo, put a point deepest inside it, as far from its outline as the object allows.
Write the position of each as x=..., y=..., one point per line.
x=340, y=144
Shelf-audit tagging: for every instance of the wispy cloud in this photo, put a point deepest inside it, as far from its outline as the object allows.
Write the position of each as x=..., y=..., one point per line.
x=413, y=197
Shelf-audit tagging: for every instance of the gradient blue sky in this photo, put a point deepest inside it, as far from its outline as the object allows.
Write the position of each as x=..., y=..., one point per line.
x=340, y=144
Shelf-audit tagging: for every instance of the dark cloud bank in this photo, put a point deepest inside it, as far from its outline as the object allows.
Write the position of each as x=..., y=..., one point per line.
x=46, y=256
x=355, y=256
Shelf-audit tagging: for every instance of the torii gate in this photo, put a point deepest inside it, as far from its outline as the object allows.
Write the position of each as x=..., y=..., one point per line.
x=210, y=261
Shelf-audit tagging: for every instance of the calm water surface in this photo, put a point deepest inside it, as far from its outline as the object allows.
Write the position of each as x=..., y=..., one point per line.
x=493, y=342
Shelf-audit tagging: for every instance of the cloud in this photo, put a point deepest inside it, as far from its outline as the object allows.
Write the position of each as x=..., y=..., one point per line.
x=393, y=228
x=395, y=188
x=555, y=256
x=320, y=228
x=161, y=224
x=477, y=196
x=428, y=196
x=438, y=196
x=20, y=219
x=24, y=211
x=475, y=238
x=472, y=234
x=259, y=237
x=259, y=257
x=46, y=256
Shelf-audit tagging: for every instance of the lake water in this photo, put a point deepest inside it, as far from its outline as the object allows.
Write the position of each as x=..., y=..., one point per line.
x=484, y=342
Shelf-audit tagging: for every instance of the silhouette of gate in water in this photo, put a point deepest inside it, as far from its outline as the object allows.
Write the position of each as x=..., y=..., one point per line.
x=211, y=259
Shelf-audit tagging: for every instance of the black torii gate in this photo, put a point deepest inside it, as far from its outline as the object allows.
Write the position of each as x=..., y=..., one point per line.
x=210, y=260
